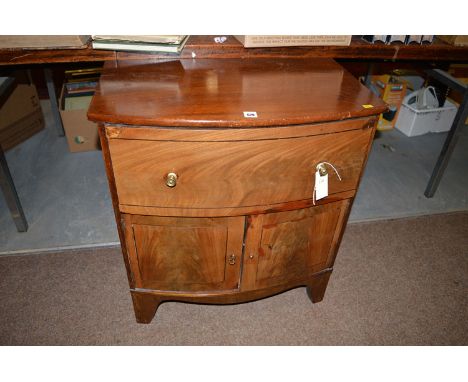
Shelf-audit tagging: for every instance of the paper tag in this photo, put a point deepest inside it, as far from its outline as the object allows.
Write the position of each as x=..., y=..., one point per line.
x=250, y=114
x=321, y=186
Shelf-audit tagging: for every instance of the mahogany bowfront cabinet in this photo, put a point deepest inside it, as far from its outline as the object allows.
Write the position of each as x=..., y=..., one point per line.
x=212, y=166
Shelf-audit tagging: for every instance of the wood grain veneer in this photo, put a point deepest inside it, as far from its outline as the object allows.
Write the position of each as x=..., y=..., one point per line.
x=216, y=93
x=181, y=254
x=241, y=222
x=233, y=174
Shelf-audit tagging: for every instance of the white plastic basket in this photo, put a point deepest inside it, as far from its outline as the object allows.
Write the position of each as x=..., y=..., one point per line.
x=413, y=122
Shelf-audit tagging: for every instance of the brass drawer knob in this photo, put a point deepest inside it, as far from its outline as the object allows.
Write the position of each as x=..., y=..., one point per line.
x=171, y=179
x=232, y=259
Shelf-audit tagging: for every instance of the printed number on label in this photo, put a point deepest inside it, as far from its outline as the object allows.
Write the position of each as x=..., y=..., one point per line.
x=250, y=114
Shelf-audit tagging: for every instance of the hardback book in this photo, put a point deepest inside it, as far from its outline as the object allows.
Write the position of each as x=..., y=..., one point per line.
x=82, y=72
x=44, y=42
x=154, y=39
x=427, y=38
x=413, y=38
x=139, y=46
x=397, y=38
x=263, y=41
x=376, y=38
x=78, y=103
x=81, y=87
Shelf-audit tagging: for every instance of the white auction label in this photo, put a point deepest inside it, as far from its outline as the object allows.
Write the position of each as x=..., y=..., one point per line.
x=250, y=114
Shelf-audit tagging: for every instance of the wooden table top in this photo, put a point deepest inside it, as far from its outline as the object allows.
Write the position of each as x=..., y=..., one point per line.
x=216, y=93
x=205, y=47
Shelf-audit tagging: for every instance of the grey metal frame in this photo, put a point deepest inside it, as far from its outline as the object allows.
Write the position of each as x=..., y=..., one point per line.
x=7, y=85
x=53, y=101
x=11, y=196
x=6, y=181
x=455, y=130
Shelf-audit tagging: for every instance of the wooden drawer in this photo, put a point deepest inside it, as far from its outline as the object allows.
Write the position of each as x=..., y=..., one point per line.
x=240, y=173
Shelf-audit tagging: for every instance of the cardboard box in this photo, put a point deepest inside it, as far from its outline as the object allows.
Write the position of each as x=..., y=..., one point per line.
x=82, y=134
x=455, y=40
x=20, y=117
x=251, y=41
x=44, y=42
x=460, y=72
x=392, y=91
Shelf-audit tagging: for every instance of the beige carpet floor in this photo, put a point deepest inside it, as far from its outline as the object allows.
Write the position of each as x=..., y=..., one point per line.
x=400, y=282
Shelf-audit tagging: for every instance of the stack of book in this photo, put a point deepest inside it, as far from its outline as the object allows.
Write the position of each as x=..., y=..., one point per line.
x=79, y=87
x=148, y=43
x=77, y=92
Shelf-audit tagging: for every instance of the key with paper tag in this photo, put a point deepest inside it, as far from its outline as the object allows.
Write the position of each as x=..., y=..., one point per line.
x=321, y=185
x=321, y=180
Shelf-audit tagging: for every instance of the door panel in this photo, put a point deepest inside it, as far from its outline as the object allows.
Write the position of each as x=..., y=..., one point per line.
x=284, y=246
x=292, y=245
x=176, y=255
x=191, y=254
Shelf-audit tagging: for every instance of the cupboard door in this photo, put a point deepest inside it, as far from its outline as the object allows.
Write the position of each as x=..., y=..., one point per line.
x=292, y=245
x=185, y=254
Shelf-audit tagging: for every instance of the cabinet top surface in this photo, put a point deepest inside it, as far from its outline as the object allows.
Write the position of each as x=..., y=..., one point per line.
x=230, y=93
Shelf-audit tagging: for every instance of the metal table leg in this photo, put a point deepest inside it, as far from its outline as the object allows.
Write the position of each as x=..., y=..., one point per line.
x=11, y=196
x=53, y=102
x=368, y=77
x=455, y=130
